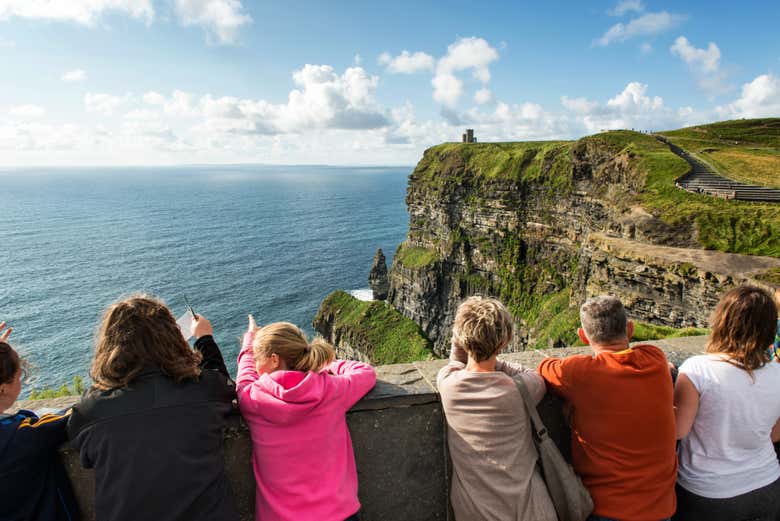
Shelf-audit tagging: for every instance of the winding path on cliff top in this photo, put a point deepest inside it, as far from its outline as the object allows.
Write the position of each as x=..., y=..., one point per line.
x=704, y=178
x=733, y=264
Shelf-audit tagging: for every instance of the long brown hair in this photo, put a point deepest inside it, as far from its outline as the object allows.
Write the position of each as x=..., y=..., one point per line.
x=139, y=332
x=289, y=342
x=743, y=327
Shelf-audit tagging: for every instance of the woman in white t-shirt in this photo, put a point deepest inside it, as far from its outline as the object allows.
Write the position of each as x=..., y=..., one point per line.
x=728, y=415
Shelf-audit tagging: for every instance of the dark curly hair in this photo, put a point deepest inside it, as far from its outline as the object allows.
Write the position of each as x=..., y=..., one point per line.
x=137, y=332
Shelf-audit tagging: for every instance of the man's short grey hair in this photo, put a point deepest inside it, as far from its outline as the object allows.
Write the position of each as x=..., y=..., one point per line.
x=604, y=319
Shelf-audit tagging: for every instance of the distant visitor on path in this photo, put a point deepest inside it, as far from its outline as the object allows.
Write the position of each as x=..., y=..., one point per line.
x=495, y=476
x=622, y=416
x=152, y=424
x=33, y=484
x=294, y=397
x=728, y=415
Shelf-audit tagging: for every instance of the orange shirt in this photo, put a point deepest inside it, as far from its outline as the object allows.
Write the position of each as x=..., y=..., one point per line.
x=623, y=432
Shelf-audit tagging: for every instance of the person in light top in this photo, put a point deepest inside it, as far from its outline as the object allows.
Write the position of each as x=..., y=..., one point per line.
x=33, y=484
x=727, y=416
x=294, y=397
x=495, y=472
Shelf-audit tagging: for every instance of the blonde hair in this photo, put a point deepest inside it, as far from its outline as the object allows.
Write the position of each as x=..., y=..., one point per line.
x=289, y=343
x=482, y=327
x=776, y=296
x=136, y=332
x=743, y=327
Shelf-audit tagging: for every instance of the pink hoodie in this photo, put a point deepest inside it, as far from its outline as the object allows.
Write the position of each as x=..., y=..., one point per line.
x=302, y=453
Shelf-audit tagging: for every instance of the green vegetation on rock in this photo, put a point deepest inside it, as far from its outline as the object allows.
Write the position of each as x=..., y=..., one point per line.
x=475, y=164
x=376, y=328
x=644, y=331
x=415, y=256
x=64, y=390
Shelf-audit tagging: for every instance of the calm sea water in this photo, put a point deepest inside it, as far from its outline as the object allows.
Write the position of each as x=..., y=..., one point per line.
x=273, y=241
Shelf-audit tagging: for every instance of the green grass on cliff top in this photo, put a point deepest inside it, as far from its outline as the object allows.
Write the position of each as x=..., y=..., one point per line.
x=393, y=338
x=730, y=226
x=747, y=150
x=478, y=163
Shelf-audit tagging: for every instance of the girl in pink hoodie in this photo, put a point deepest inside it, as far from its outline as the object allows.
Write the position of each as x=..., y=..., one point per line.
x=294, y=396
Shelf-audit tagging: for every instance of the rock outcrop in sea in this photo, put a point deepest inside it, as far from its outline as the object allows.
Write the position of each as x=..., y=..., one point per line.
x=377, y=277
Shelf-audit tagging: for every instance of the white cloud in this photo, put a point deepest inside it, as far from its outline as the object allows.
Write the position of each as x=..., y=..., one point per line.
x=85, y=12
x=323, y=99
x=222, y=19
x=469, y=53
x=406, y=62
x=631, y=108
x=645, y=25
x=180, y=103
x=704, y=64
x=472, y=53
x=100, y=103
x=6, y=44
x=27, y=111
x=759, y=98
x=706, y=60
x=447, y=89
x=74, y=75
x=579, y=105
x=626, y=6
x=483, y=96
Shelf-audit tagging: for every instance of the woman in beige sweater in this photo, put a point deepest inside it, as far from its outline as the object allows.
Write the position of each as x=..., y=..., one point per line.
x=495, y=475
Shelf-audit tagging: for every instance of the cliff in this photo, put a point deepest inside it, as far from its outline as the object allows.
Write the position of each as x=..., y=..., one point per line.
x=371, y=332
x=544, y=225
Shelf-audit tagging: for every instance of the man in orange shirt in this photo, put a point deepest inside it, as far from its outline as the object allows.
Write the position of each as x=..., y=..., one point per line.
x=623, y=433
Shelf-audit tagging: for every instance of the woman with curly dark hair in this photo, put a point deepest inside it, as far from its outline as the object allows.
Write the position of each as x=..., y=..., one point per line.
x=728, y=416
x=151, y=426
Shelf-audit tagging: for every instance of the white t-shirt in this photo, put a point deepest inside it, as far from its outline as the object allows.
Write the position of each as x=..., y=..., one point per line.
x=729, y=451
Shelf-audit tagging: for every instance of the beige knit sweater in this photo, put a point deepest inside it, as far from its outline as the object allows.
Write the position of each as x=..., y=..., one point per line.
x=495, y=477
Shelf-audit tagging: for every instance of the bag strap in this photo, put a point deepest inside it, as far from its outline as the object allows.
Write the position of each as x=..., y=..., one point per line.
x=536, y=420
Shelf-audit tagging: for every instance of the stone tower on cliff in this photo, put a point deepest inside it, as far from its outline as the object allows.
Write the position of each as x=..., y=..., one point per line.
x=377, y=277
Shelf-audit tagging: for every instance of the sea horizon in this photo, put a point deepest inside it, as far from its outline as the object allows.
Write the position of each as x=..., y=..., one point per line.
x=272, y=240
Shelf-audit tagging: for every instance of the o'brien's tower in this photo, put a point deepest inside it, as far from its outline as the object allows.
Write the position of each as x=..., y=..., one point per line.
x=468, y=136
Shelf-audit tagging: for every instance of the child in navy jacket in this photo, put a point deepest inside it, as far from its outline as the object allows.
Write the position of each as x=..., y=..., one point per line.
x=33, y=483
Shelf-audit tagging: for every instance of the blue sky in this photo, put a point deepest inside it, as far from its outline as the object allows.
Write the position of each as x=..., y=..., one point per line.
x=104, y=82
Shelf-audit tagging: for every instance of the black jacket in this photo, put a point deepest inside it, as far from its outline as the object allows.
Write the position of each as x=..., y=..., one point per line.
x=33, y=484
x=156, y=446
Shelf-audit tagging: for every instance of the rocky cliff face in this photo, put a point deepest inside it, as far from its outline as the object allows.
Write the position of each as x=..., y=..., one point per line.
x=531, y=223
x=377, y=277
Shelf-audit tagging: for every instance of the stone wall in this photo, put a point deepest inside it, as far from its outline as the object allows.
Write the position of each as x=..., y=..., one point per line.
x=399, y=436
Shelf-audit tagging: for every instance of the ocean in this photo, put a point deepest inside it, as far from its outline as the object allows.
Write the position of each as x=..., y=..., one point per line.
x=267, y=240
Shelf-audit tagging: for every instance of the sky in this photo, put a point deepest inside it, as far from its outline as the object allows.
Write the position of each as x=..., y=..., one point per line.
x=166, y=82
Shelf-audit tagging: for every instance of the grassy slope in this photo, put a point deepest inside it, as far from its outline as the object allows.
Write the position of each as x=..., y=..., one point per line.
x=730, y=226
x=746, y=150
x=393, y=337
